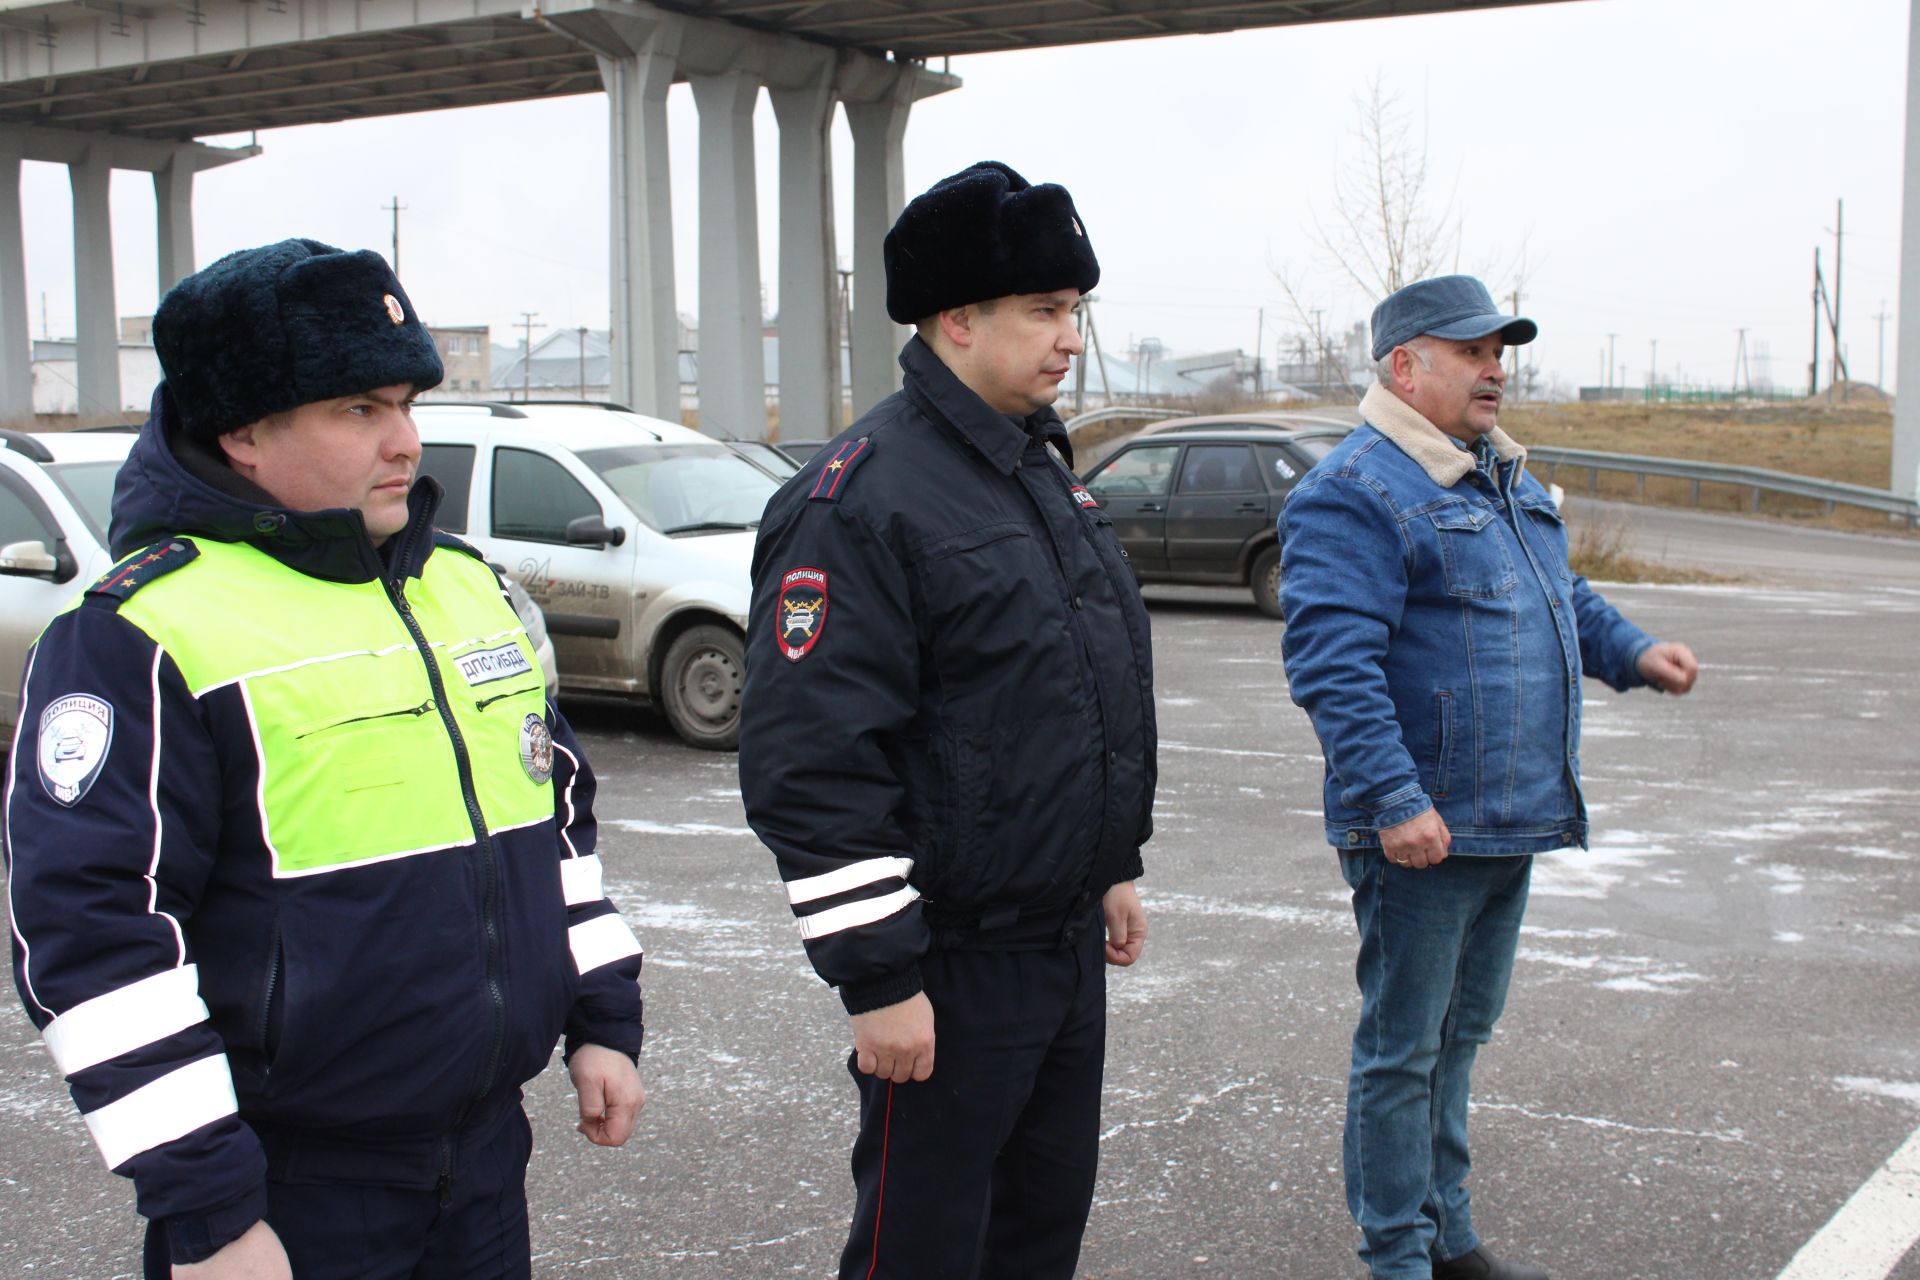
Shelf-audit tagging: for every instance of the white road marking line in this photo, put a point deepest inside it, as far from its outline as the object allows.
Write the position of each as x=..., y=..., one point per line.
x=1873, y=1231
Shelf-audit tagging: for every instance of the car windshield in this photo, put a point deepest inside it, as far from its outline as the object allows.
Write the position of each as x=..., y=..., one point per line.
x=89, y=485
x=685, y=488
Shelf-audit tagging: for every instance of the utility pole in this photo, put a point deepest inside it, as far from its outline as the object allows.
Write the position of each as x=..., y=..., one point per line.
x=1259, y=342
x=1813, y=366
x=1880, y=361
x=1839, y=231
x=526, y=355
x=1513, y=353
x=395, y=209
x=1320, y=345
x=583, y=361
x=1610, y=338
x=1740, y=364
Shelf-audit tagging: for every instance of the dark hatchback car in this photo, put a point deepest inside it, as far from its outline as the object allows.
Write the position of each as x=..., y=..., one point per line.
x=1199, y=504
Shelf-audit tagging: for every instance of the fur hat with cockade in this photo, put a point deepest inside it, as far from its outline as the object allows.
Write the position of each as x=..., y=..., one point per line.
x=265, y=330
x=986, y=232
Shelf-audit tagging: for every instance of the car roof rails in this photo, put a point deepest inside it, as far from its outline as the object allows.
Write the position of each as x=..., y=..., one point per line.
x=22, y=443
x=580, y=404
x=497, y=408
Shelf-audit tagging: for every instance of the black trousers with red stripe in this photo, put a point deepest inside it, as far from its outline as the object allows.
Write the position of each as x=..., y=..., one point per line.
x=985, y=1170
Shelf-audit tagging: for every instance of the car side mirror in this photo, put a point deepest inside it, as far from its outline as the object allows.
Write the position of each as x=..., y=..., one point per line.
x=28, y=559
x=592, y=531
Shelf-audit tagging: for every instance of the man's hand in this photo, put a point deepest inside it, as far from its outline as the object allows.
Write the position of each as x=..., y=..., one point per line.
x=895, y=1043
x=611, y=1094
x=1126, y=923
x=1669, y=667
x=1418, y=842
x=255, y=1255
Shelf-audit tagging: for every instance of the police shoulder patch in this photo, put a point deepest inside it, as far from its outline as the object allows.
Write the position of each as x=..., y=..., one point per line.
x=75, y=733
x=830, y=482
x=801, y=614
x=117, y=585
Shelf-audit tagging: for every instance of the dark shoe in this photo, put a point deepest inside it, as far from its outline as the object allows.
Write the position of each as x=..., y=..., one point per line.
x=1481, y=1265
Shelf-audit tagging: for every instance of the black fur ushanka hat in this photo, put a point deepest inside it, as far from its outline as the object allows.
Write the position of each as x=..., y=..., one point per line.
x=265, y=330
x=985, y=232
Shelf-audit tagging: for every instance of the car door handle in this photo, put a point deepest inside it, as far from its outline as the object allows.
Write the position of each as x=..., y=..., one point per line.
x=1252, y=506
x=1151, y=506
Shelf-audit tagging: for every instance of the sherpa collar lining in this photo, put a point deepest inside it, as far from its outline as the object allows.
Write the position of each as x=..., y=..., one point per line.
x=1443, y=460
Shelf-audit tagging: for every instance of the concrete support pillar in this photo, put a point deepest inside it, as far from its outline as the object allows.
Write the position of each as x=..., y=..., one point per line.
x=1906, y=409
x=733, y=397
x=173, y=194
x=809, y=310
x=16, y=340
x=879, y=193
x=96, y=312
x=646, y=324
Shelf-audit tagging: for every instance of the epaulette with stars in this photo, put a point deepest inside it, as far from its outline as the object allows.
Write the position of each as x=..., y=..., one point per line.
x=831, y=482
x=115, y=587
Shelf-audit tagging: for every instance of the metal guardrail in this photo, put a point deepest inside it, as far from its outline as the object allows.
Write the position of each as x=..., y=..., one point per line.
x=1758, y=479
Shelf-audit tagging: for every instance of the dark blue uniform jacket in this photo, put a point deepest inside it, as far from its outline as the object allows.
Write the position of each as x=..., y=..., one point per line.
x=948, y=718
x=368, y=1019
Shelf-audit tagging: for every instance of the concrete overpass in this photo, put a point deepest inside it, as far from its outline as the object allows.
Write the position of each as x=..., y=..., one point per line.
x=103, y=84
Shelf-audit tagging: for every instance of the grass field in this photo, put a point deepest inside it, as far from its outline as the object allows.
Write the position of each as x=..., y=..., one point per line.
x=1852, y=445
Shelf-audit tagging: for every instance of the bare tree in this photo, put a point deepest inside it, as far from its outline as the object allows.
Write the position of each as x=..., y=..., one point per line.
x=1386, y=227
x=1385, y=235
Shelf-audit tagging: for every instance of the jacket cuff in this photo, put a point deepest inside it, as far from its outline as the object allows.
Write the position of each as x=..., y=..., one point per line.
x=895, y=988
x=195, y=1237
x=1403, y=805
x=1132, y=869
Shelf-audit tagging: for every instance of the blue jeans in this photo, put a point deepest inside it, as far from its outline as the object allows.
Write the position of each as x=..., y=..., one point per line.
x=1436, y=950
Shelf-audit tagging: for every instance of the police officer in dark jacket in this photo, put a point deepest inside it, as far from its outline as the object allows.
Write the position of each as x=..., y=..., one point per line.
x=947, y=741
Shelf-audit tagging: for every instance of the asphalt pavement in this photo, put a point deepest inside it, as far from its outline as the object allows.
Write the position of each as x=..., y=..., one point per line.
x=1713, y=1038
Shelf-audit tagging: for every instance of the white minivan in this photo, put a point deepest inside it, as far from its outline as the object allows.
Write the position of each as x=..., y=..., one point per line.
x=633, y=534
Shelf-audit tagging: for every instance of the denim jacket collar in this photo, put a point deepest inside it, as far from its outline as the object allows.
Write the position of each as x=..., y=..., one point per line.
x=1426, y=444
x=997, y=437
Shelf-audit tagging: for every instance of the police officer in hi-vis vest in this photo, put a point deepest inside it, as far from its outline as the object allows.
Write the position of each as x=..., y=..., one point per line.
x=947, y=740
x=302, y=861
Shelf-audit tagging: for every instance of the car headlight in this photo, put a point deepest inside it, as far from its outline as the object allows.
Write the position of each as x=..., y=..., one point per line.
x=530, y=616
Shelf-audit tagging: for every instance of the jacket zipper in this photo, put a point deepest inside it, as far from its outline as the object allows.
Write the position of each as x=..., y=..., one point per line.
x=489, y=869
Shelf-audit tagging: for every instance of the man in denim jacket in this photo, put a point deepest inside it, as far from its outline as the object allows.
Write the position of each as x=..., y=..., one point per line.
x=1437, y=637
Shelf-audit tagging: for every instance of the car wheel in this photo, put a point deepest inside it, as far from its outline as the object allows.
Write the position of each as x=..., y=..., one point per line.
x=1265, y=581
x=700, y=685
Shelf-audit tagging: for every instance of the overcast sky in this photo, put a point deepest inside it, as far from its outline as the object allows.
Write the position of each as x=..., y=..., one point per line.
x=1669, y=168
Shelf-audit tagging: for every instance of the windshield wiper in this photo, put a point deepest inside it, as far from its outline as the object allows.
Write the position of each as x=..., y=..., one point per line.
x=705, y=526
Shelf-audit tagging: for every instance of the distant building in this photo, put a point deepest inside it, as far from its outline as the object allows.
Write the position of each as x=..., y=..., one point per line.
x=56, y=378
x=466, y=350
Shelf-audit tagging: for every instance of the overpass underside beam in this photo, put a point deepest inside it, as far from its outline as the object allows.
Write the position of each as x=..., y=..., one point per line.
x=91, y=159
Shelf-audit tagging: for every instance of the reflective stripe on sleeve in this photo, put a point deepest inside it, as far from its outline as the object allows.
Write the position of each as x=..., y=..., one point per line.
x=137, y=1014
x=855, y=914
x=580, y=880
x=601, y=940
x=852, y=876
x=174, y=1105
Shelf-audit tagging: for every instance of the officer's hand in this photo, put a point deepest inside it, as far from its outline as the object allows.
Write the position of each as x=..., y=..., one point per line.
x=1669, y=667
x=1418, y=842
x=895, y=1043
x=256, y=1255
x=1126, y=923
x=611, y=1094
